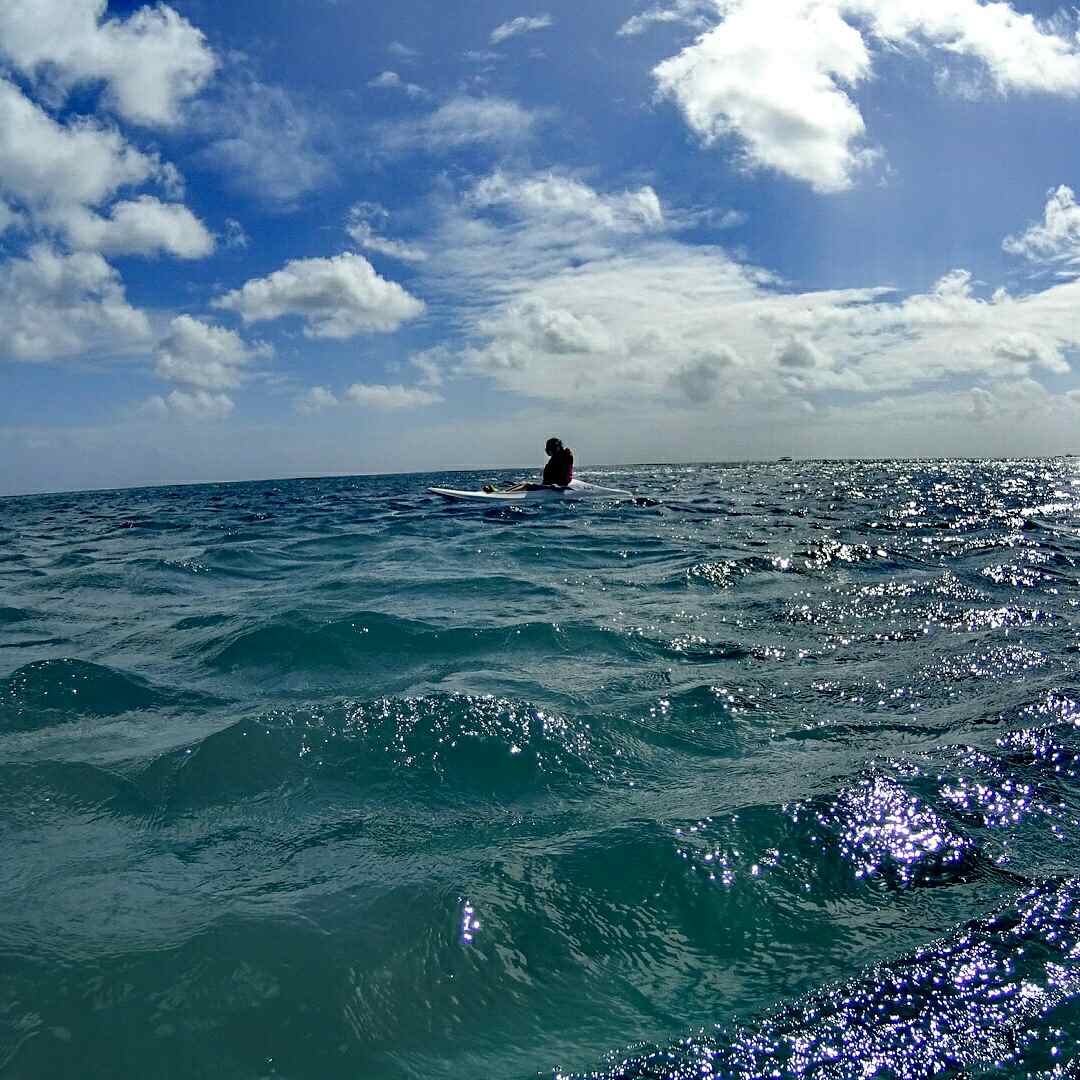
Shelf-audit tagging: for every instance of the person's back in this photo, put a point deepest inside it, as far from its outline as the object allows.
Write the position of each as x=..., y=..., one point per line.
x=559, y=470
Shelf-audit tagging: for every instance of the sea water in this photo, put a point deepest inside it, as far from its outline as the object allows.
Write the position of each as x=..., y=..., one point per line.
x=775, y=772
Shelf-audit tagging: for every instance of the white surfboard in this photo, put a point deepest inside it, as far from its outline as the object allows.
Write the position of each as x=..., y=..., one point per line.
x=577, y=489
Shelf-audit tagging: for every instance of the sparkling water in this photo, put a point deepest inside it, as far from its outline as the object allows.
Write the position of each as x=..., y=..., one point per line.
x=773, y=772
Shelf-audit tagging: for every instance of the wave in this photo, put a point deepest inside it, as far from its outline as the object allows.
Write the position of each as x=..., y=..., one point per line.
x=371, y=642
x=48, y=692
x=450, y=746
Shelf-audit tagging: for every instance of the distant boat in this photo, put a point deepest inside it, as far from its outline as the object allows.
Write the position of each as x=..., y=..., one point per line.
x=785, y=458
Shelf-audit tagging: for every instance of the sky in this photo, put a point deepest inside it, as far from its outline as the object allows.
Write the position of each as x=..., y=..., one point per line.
x=308, y=237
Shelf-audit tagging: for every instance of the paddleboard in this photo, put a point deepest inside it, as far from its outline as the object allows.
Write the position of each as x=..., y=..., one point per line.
x=577, y=489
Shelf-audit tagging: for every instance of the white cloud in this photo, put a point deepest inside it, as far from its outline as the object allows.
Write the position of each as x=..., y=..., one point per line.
x=1019, y=52
x=379, y=396
x=150, y=62
x=529, y=226
x=773, y=75
x=207, y=357
x=1057, y=238
x=523, y=24
x=463, y=121
x=982, y=404
x=44, y=163
x=143, y=226
x=235, y=237
x=532, y=323
x=778, y=77
x=402, y=51
x=61, y=172
x=391, y=80
x=363, y=234
x=432, y=364
x=337, y=297
x=689, y=12
x=801, y=355
x=1027, y=350
x=54, y=306
x=700, y=380
x=315, y=399
x=565, y=201
x=265, y=142
x=199, y=404
x=588, y=314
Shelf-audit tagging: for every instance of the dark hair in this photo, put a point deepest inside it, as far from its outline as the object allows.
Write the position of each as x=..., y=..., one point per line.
x=553, y=444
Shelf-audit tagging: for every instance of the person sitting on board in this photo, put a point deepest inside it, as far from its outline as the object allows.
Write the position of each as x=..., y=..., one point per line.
x=558, y=472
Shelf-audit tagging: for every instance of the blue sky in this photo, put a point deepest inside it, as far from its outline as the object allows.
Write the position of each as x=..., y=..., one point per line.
x=269, y=239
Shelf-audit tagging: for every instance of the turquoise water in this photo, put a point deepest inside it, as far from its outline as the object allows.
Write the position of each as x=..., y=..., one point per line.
x=774, y=773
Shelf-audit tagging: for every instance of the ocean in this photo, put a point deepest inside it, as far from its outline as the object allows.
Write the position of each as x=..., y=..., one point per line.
x=772, y=773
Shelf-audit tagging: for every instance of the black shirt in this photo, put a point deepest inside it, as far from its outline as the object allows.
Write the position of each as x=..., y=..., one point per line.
x=560, y=469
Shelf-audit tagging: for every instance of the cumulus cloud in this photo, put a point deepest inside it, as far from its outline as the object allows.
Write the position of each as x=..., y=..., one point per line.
x=800, y=355
x=1019, y=52
x=533, y=323
x=1057, y=238
x=700, y=380
x=778, y=78
x=523, y=24
x=774, y=76
x=55, y=306
x=151, y=62
x=44, y=163
x=203, y=356
x=380, y=396
x=462, y=121
x=142, y=226
x=1030, y=350
x=591, y=313
x=337, y=297
x=62, y=172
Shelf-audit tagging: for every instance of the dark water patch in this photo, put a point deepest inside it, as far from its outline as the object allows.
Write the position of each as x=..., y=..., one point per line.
x=72, y=559
x=12, y=615
x=202, y=622
x=332, y=548
x=53, y=691
x=39, y=794
x=34, y=643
